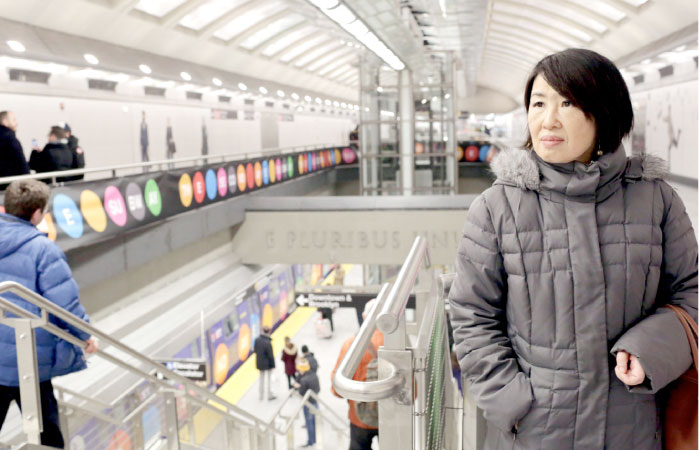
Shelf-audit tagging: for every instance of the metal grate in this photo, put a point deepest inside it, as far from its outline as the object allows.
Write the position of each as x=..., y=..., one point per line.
x=435, y=370
x=29, y=76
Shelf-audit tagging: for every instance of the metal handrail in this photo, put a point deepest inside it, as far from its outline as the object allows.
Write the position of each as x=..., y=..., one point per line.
x=224, y=157
x=366, y=390
x=48, y=306
x=393, y=310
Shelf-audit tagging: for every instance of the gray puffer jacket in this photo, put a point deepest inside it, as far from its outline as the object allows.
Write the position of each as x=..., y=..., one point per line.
x=559, y=267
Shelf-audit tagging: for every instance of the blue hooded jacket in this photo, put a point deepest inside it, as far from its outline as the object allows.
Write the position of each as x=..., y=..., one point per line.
x=28, y=257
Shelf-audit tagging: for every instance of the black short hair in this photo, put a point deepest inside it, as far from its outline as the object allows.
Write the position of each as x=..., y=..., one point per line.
x=304, y=349
x=592, y=83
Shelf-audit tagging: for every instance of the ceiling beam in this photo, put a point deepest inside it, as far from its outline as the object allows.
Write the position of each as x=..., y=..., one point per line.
x=549, y=26
x=312, y=37
x=519, y=39
x=313, y=48
x=123, y=5
x=260, y=47
x=173, y=17
x=542, y=8
x=542, y=34
x=235, y=41
x=338, y=71
x=513, y=60
x=335, y=46
x=208, y=30
x=330, y=68
x=518, y=50
x=624, y=7
x=300, y=41
x=335, y=55
x=527, y=60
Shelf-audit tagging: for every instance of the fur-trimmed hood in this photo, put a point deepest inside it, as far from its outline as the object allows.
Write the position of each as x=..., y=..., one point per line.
x=521, y=167
x=290, y=351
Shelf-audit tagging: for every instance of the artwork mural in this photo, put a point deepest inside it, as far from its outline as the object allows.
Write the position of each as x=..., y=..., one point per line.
x=670, y=125
x=144, y=138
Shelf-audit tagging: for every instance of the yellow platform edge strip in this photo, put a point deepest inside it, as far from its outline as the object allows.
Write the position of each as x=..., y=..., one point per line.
x=205, y=421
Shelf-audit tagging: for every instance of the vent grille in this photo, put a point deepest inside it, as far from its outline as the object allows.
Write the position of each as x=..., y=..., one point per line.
x=29, y=76
x=638, y=79
x=154, y=91
x=194, y=95
x=102, y=85
x=269, y=104
x=249, y=101
x=224, y=99
x=666, y=71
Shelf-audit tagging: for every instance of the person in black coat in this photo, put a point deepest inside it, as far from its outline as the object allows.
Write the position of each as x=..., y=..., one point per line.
x=265, y=362
x=12, y=160
x=308, y=380
x=76, y=150
x=54, y=156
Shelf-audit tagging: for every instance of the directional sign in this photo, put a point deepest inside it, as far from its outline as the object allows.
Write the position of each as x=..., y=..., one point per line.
x=192, y=369
x=355, y=300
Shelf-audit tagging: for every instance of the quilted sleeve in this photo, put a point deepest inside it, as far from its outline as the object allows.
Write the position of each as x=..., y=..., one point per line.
x=55, y=282
x=477, y=303
x=659, y=340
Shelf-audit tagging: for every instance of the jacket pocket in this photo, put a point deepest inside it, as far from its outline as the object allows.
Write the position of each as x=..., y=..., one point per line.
x=536, y=420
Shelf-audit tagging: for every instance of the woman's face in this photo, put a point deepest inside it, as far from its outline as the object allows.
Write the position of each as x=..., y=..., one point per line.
x=560, y=131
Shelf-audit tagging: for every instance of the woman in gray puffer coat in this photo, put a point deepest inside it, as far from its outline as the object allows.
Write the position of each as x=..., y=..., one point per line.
x=563, y=269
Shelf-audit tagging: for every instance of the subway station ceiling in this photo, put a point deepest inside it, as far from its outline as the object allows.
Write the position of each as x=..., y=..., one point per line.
x=307, y=44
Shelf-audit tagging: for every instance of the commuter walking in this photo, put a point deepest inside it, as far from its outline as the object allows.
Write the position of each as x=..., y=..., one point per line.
x=289, y=357
x=265, y=362
x=364, y=426
x=308, y=354
x=308, y=379
x=55, y=155
x=170, y=141
x=12, y=159
x=29, y=258
x=564, y=268
x=77, y=152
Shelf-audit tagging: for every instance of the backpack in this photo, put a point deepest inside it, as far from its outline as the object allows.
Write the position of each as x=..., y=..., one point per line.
x=368, y=412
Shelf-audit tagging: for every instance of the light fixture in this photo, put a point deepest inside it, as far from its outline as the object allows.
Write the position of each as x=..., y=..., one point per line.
x=91, y=59
x=434, y=99
x=447, y=96
x=343, y=16
x=336, y=103
x=295, y=96
x=16, y=46
x=217, y=82
x=307, y=98
x=424, y=101
x=328, y=102
x=318, y=100
x=380, y=89
x=344, y=105
x=185, y=76
x=145, y=69
x=280, y=93
x=680, y=48
x=646, y=61
x=242, y=86
x=262, y=90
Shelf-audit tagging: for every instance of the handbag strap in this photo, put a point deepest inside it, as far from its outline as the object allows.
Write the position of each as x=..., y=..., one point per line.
x=691, y=330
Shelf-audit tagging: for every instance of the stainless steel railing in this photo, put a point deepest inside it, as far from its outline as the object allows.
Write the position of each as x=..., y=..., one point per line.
x=417, y=398
x=259, y=434
x=161, y=164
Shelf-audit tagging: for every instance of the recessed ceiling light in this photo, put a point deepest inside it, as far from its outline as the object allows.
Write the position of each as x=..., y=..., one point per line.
x=344, y=105
x=242, y=86
x=263, y=90
x=447, y=96
x=145, y=69
x=307, y=98
x=336, y=104
x=185, y=76
x=16, y=46
x=295, y=96
x=91, y=59
x=380, y=89
x=328, y=102
x=424, y=101
x=217, y=82
x=318, y=100
x=280, y=93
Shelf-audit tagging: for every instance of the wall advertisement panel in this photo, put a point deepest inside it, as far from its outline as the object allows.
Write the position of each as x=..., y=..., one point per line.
x=83, y=213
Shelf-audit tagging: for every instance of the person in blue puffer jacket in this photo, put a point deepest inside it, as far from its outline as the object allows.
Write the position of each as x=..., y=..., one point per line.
x=28, y=257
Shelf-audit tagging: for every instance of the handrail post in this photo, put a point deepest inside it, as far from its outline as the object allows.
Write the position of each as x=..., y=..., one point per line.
x=28, y=372
x=171, y=428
